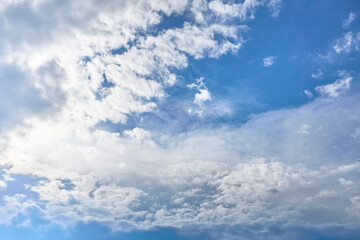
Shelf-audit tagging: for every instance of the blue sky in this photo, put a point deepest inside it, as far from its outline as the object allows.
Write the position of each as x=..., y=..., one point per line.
x=179, y=119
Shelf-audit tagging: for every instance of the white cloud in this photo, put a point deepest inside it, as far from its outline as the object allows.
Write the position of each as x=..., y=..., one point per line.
x=354, y=210
x=240, y=10
x=203, y=95
x=304, y=129
x=2, y=184
x=346, y=168
x=345, y=182
x=207, y=176
x=318, y=74
x=12, y=206
x=336, y=88
x=346, y=44
x=275, y=6
x=243, y=10
x=346, y=23
x=138, y=134
x=6, y=3
x=142, y=179
x=63, y=57
x=308, y=93
x=325, y=194
x=268, y=61
x=349, y=42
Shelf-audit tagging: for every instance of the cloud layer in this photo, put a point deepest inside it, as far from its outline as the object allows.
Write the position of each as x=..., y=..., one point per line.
x=74, y=65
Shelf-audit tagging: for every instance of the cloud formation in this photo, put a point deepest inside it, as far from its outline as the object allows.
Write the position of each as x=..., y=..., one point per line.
x=268, y=61
x=334, y=89
x=74, y=65
x=346, y=23
x=210, y=176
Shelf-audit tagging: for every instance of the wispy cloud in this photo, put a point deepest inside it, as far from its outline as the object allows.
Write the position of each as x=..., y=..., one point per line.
x=349, y=42
x=308, y=93
x=318, y=74
x=346, y=23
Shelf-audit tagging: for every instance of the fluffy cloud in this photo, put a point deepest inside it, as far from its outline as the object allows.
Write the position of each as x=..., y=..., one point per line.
x=268, y=61
x=203, y=95
x=308, y=93
x=334, y=89
x=243, y=10
x=85, y=62
x=210, y=176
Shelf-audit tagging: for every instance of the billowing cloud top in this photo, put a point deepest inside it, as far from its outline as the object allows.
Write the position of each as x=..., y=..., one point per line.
x=107, y=116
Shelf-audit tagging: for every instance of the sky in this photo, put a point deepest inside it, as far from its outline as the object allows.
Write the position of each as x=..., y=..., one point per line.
x=167, y=119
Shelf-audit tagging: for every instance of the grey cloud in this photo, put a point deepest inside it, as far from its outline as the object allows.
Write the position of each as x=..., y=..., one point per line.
x=18, y=97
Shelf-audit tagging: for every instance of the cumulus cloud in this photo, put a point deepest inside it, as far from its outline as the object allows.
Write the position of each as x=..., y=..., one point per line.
x=240, y=10
x=75, y=64
x=80, y=63
x=203, y=95
x=336, y=88
x=268, y=61
x=207, y=177
x=243, y=10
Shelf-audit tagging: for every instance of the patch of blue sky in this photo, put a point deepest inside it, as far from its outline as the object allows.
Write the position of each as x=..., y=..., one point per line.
x=18, y=186
x=295, y=39
x=170, y=22
x=95, y=231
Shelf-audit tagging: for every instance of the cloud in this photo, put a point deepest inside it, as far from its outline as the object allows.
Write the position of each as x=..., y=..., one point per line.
x=138, y=134
x=268, y=61
x=346, y=44
x=346, y=23
x=240, y=10
x=245, y=9
x=203, y=95
x=80, y=63
x=20, y=98
x=13, y=206
x=349, y=42
x=304, y=129
x=205, y=177
x=336, y=88
x=275, y=6
x=318, y=74
x=356, y=134
x=345, y=182
x=308, y=93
